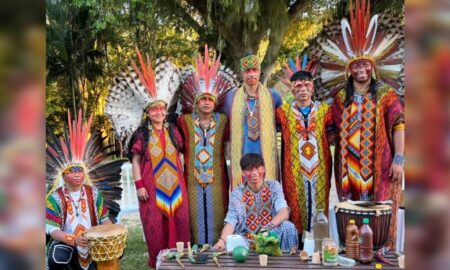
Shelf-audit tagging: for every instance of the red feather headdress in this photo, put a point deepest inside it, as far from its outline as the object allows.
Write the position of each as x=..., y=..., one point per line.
x=360, y=40
x=208, y=78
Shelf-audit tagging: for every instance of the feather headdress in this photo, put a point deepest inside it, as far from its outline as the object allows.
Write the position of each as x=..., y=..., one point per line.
x=136, y=89
x=78, y=147
x=208, y=78
x=361, y=39
x=292, y=67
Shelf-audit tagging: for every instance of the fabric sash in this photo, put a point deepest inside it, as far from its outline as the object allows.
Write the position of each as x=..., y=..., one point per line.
x=165, y=171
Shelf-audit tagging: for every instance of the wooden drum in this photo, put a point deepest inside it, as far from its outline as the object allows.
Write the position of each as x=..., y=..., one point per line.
x=379, y=220
x=106, y=245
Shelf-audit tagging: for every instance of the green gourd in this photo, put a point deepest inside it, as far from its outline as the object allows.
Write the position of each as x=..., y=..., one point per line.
x=240, y=254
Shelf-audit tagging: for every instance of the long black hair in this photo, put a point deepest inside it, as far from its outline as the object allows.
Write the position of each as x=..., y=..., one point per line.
x=144, y=129
x=349, y=90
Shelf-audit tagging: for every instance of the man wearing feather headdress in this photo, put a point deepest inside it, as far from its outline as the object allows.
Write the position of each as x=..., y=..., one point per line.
x=80, y=202
x=153, y=150
x=205, y=132
x=306, y=126
x=365, y=65
x=251, y=110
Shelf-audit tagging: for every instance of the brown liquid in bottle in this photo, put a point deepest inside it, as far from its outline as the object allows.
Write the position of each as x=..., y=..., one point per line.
x=365, y=243
x=352, y=240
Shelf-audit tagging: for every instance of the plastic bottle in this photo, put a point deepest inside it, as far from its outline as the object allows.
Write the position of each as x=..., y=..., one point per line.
x=352, y=240
x=320, y=229
x=365, y=243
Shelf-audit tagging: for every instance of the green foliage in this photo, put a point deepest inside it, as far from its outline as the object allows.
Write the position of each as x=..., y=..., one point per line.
x=89, y=42
x=267, y=243
x=135, y=251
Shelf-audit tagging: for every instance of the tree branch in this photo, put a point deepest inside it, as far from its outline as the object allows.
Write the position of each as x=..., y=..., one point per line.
x=296, y=9
x=181, y=12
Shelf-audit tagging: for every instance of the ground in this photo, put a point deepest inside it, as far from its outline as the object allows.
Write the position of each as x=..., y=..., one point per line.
x=136, y=250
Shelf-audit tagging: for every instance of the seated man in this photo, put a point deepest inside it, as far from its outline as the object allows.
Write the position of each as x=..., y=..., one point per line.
x=258, y=204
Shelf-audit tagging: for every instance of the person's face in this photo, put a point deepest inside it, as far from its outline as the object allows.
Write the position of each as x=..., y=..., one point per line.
x=251, y=76
x=361, y=70
x=302, y=90
x=255, y=175
x=74, y=177
x=206, y=104
x=157, y=114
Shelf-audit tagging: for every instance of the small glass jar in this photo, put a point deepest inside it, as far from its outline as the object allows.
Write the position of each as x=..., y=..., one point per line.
x=329, y=252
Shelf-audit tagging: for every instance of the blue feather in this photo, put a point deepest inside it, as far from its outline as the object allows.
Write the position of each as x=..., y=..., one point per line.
x=305, y=61
x=292, y=65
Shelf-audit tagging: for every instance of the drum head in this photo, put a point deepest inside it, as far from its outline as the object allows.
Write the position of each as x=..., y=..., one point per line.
x=106, y=230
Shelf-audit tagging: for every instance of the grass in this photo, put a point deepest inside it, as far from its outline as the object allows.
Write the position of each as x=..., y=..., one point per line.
x=136, y=251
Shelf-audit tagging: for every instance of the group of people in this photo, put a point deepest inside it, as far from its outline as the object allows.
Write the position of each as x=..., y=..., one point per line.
x=185, y=190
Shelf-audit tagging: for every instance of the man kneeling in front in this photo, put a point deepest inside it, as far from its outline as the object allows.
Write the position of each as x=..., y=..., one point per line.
x=258, y=204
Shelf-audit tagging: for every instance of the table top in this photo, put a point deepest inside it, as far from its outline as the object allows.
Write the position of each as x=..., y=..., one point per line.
x=282, y=262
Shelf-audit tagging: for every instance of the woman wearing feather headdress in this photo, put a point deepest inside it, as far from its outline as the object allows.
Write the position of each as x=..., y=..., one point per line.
x=153, y=150
x=86, y=197
x=205, y=132
x=365, y=65
x=306, y=128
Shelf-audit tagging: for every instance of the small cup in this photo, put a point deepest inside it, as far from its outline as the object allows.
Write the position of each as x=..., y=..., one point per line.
x=180, y=246
x=316, y=258
x=263, y=259
x=401, y=262
x=304, y=256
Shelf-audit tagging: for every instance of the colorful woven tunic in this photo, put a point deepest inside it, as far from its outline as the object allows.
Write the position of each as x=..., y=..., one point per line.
x=205, y=173
x=306, y=163
x=248, y=117
x=63, y=213
x=165, y=215
x=365, y=148
x=248, y=211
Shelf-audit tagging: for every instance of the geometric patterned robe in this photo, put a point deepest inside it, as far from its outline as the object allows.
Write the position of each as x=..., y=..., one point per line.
x=306, y=162
x=206, y=175
x=380, y=117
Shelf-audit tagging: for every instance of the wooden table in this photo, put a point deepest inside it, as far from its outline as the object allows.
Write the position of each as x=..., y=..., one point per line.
x=283, y=262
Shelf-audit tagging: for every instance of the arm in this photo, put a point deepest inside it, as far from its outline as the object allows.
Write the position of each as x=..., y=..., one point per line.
x=135, y=166
x=279, y=204
x=69, y=239
x=396, y=170
x=282, y=215
x=221, y=242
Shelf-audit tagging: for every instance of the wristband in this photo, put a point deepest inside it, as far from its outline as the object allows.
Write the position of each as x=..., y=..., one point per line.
x=139, y=184
x=223, y=240
x=70, y=239
x=399, y=160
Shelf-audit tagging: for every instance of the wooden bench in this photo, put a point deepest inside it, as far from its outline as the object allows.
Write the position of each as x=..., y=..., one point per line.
x=282, y=262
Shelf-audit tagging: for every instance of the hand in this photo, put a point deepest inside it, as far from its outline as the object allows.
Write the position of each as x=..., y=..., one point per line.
x=81, y=241
x=142, y=194
x=220, y=245
x=395, y=172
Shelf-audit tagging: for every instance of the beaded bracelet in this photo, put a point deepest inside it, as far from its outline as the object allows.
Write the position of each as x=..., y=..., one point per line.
x=70, y=239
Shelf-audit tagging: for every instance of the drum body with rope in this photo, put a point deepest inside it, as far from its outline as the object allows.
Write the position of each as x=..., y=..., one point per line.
x=106, y=245
x=379, y=220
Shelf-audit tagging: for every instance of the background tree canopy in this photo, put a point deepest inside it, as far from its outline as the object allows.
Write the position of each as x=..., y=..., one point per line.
x=89, y=41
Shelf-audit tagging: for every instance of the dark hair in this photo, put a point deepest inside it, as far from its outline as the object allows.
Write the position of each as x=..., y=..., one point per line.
x=301, y=76
x=349, y=90
x=143, y=130
x=251, y=160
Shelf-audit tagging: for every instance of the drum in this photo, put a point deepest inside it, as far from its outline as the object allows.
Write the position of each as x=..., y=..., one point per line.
x=106, y=245
x=379, y=220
